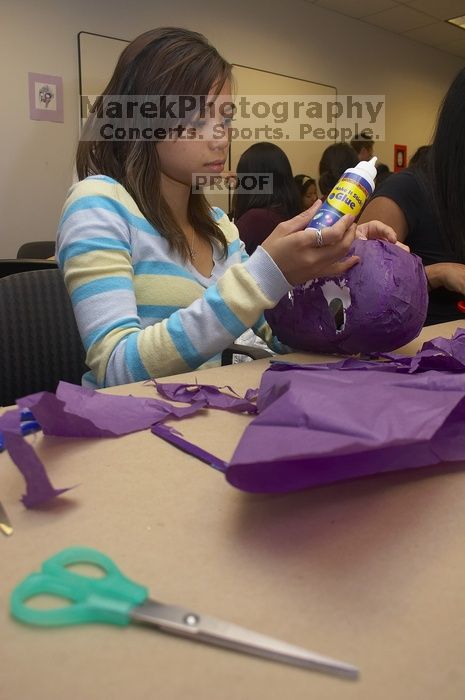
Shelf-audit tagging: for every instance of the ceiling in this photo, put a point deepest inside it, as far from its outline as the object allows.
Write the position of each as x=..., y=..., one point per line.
x=420, y=20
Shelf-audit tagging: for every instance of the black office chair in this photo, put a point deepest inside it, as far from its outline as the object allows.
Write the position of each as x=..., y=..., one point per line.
x=39, y=339
x=37, y=249
x=14, y=265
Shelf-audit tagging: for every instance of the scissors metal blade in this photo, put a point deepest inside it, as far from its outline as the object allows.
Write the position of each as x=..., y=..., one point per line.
x=5, y=524
x=202, y=628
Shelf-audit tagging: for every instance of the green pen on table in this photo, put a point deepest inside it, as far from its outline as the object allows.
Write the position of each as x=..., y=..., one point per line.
x=115, y=599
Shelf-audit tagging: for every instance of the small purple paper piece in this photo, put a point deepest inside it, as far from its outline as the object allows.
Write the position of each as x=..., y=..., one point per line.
x=251, y=394
x=317, y=425
x=75, y=411
x=440, y=353
x=175, y=438
x=38, y=487
x=209, y=396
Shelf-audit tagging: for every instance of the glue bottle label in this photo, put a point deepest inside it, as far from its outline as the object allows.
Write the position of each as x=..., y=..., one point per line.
x=347, y=197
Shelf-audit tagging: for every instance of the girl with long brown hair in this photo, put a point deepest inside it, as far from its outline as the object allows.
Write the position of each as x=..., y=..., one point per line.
x=158, y=279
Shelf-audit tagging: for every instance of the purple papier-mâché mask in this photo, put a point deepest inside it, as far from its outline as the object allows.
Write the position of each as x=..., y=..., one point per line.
x=378, y=305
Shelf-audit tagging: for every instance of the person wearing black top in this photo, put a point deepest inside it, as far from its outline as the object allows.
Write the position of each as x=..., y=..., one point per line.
x=257, y=214
x=425, y=205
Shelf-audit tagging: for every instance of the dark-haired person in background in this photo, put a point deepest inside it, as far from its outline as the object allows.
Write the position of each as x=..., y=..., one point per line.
x=363, y=145
x=257, y=214
x=425, y=205
x=307, y=189
x=334, y=161
x=382, y=173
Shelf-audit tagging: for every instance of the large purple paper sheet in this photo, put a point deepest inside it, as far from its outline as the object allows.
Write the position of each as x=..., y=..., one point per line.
x=317, y=427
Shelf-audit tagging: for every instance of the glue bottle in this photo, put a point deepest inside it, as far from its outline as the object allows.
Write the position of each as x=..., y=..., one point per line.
x=348, y=195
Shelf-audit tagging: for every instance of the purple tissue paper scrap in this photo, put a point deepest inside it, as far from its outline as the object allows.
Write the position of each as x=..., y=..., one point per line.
x=38, y=487
x=208, y=395
x=175, y=438
x=74, y=411
x=439, y=354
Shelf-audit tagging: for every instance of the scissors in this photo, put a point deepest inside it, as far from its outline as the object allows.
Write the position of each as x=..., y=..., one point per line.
x=115, y=599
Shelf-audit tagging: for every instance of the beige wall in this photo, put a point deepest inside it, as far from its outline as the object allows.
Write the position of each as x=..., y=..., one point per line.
x=305, y=42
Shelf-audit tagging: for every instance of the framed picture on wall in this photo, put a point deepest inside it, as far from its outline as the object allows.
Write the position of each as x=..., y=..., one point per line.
x=45, y=97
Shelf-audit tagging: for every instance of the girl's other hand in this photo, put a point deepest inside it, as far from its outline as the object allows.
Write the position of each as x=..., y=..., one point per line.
x=376, y=230
x=448, y=275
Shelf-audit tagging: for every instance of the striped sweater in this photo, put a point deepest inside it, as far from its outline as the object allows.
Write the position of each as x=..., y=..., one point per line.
x=141, y=310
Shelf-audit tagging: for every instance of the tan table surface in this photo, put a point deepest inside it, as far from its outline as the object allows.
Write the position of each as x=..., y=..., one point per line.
x=371, y=571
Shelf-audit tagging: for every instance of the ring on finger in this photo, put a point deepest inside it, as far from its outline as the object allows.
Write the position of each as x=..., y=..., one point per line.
x=319, y=238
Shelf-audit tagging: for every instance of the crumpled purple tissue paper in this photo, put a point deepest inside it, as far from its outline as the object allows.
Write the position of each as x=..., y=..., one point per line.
x=74, y=411
x=209, y=396
x=317, y=424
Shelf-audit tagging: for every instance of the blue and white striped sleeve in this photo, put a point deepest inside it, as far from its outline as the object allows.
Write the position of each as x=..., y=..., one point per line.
x=95, y=253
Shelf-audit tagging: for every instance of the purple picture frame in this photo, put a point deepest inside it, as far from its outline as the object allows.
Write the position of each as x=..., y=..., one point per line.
x=45, y=97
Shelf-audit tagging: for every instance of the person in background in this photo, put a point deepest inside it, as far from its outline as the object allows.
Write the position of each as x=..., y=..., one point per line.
x=256, y=214
x=335, y=159
x=307, y=189
x=425, y=205
x=382, y=173
x=363, y=145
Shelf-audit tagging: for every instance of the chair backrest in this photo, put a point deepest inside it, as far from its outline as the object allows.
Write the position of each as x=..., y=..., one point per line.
x=14, y=265
x=39, y=339
x=37, y=249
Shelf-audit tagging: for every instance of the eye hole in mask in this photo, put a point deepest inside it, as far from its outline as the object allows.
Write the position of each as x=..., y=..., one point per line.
x=337, y=310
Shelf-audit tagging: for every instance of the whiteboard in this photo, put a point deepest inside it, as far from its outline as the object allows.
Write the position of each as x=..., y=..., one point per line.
x=97, y=58
x=304, y=155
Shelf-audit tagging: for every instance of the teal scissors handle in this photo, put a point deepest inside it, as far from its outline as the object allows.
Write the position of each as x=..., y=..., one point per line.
x=108, y=599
